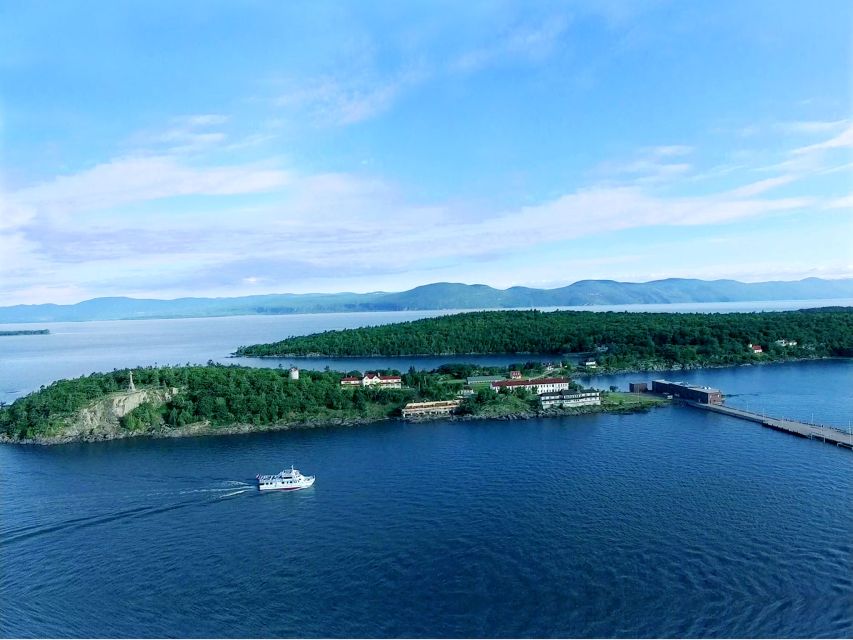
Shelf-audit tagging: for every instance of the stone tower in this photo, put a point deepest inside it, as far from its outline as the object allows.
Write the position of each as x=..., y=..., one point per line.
x=131, y=386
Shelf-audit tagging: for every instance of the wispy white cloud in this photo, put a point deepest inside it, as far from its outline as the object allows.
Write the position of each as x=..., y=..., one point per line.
x=140, y=179
x=13, y=214
x=530, y=43
x=811, y=126
x=790, y=128
x=358, y=91
x=186, y=134
x=843, y=140
x=651, y=165
x=845, y=202
x=334, y=101
x=760, y=186
x=667, y=151
x=279, y=226
x=206, y=119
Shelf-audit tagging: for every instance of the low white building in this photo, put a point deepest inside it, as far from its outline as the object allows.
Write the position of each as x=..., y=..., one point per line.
x=437, y=408
x=570, y=399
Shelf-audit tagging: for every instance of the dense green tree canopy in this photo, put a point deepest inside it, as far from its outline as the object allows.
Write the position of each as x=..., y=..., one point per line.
x=217, y=394
x=222, y=396
x=623, y=339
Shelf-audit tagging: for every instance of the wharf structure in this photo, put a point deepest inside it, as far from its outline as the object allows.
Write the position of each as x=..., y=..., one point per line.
x=830, y=435
x=710, y=399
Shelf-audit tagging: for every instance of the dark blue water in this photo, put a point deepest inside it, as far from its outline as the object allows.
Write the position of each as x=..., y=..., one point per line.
x=669, y=523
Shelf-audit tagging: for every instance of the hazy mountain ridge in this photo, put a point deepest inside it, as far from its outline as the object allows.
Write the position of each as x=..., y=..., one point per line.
x=440, y=295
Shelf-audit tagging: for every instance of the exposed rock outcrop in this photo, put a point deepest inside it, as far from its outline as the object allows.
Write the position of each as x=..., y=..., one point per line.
x=100, y=420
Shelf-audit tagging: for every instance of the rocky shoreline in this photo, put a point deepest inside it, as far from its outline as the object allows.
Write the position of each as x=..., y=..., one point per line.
x=206, y=429
x=96, y=429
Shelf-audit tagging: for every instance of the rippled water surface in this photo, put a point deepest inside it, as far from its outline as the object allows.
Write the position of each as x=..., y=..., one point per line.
x=668, y=523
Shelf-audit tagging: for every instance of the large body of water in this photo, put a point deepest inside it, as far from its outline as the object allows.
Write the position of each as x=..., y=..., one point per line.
x=78, y=348
x=668, y=523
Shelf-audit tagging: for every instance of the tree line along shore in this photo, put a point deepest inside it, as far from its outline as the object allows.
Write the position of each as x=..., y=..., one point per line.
x=619, y=340
x=25, y=332
x=184, y=400
x=216, y=398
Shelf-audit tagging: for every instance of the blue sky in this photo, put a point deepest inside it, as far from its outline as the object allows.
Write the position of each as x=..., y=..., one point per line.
x=165, y=149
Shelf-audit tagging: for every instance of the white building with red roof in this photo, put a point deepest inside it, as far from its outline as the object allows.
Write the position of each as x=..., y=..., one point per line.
x=372, y=379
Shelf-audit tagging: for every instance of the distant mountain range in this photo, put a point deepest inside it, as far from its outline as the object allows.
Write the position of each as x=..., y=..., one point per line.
x=441, y=295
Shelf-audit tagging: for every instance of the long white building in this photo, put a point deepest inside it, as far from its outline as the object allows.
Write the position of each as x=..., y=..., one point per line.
x=537, y=386
x=570, y=399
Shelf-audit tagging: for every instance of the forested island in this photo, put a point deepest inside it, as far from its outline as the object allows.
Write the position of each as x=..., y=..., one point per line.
x=26, y=332
x=618, y=340
x=193, y=400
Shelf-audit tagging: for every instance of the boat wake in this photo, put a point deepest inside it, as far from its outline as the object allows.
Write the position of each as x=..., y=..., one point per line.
x=234, y=493
x=219, y=490
x=194, y=498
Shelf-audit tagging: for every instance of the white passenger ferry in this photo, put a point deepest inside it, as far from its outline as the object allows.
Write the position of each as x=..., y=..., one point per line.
x=287, y=480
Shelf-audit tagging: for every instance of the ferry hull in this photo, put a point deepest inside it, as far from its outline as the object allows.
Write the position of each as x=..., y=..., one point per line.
x=278, y=487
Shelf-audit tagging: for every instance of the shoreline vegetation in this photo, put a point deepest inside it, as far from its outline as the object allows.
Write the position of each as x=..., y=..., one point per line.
x=219, y=399
x=200, y=400
x=616, y=341
x=25, y=332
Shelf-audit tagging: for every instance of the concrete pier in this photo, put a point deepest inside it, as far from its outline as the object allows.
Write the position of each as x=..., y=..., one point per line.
x=830, y=435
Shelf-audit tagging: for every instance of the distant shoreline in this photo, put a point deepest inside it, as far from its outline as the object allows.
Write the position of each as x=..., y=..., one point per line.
x=450, y=297
x=704, y=306
x=26, y=332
